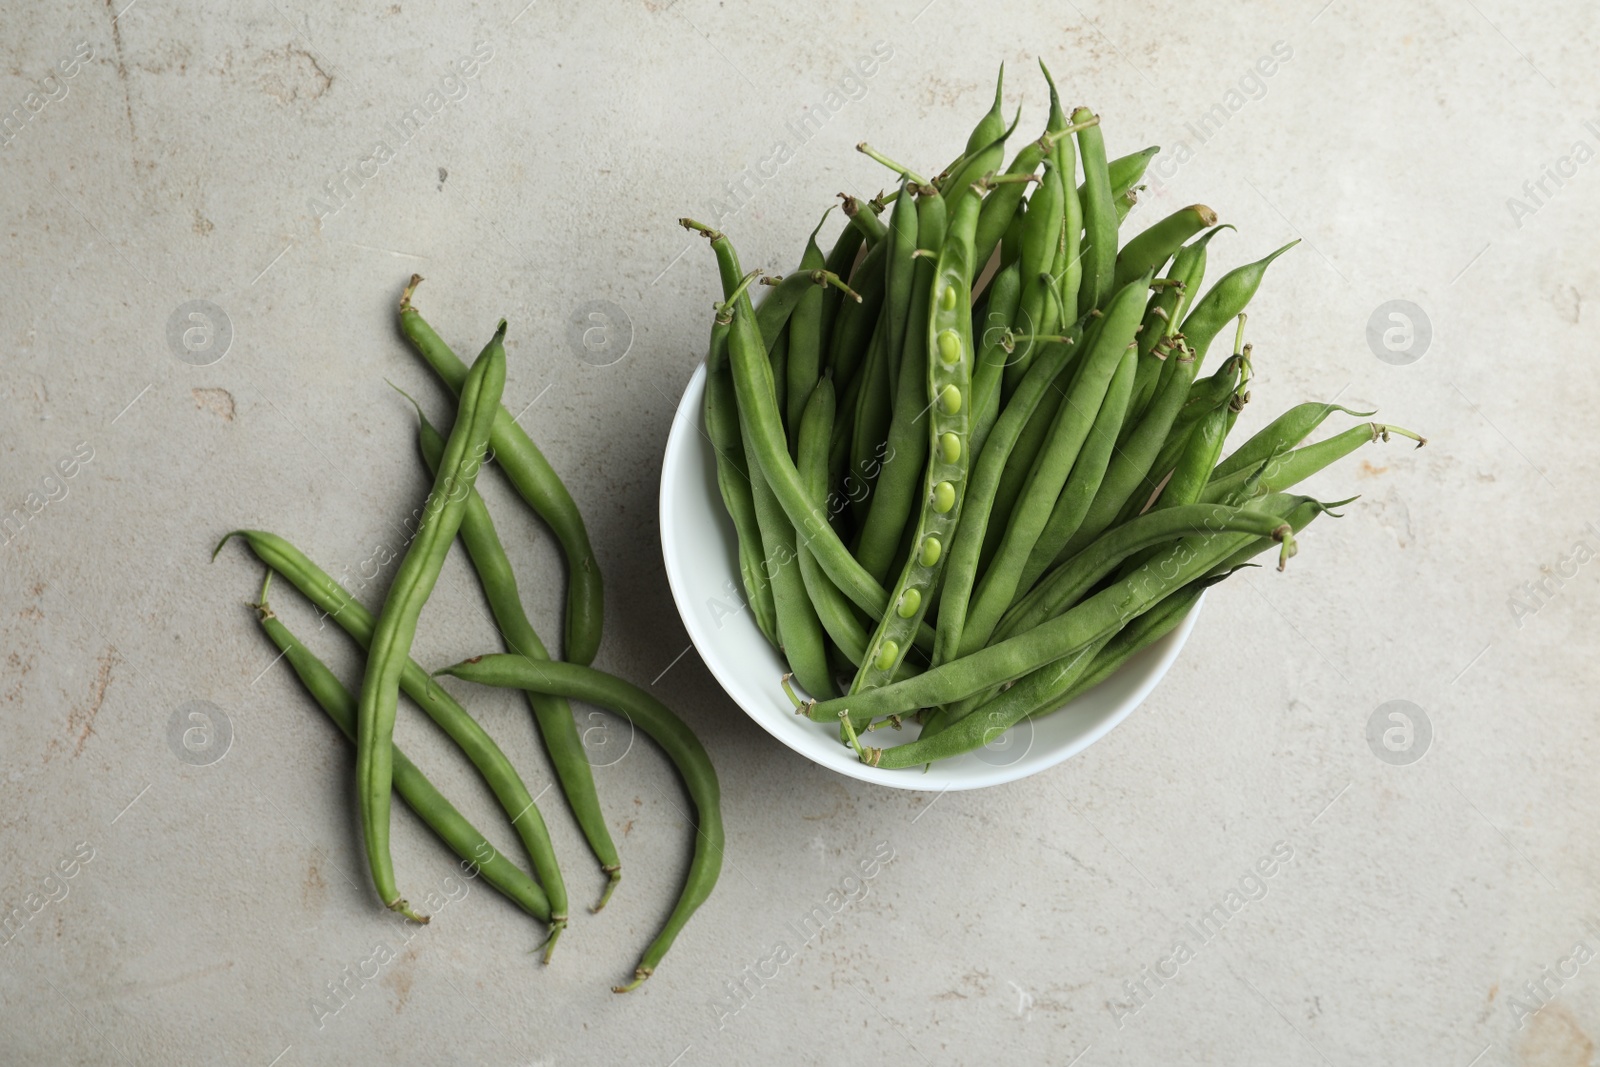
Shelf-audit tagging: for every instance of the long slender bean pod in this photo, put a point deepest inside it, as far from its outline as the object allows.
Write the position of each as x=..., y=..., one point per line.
x=896, y=490
x=553, y=715
x=397, y=621
x=536, y=482
x=1088, y=471
x=1282, y=433
x=989, y=366
x=805, y=345
x=667, y=730
x=799, y=630
x=947, y=370
x=721, y=417
x=833, y=610
x=1074, y=419
x=480, y=749
x=1285, y=469
x=1103, y=613
x=1099, y=216
x=419, y=794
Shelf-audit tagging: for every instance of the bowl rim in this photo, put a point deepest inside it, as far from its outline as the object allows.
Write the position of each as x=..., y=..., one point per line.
x=684, y=447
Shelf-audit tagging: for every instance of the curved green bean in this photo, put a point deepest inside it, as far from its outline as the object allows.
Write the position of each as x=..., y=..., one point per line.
x=397, y=621
x=473, y=740
x=552, y=714
x=1088, y=472
x=419, y=794
x=536, y=482
x=666, y=729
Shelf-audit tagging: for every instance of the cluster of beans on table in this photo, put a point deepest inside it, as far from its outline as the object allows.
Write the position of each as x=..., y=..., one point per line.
x=970, y=456
x=484, y=430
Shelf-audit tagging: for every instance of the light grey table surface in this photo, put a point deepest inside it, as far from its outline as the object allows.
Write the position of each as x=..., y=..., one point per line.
x=1438, y=153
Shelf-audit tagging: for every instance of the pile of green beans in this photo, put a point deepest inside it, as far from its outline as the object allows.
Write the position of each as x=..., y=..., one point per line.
x=484, y=430
x=985, y=411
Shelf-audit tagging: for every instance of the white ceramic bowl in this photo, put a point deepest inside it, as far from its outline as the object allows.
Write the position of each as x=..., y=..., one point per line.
x=701, y=554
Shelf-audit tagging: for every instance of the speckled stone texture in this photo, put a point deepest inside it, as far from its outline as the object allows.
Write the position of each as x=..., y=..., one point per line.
x=1255, y=868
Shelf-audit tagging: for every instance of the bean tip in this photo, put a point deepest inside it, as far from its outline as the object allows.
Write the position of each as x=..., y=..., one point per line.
x=229, y=536
x=405, y=294
x=639, y=976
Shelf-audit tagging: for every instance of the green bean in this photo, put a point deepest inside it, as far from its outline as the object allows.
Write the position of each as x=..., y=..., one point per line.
x=1188, y=269
x=1197, y=459
x=1068, y=265
x=1069, y=581
x=1000, y=312
x=1223, y=302
x=397, y=621
x=1099, y=216
x=895, y=493
x=552, y=715
x=1011, y=243
x=1205, y=397
x=805, y=345
x=1088, y=472
x=964, y=170
x=1103, y=613
x=979, y=165
x=873, y=414
x=721, y=416
x=753, y=384
x=1151, y=249
x=666, y=729
x=833, y=610
x=1113, y=348
x=871, y=227
x=1285, y=469
x=840, y=263
x=1125, y=172
x=1138, y=635
x=778, y=359
x=536, y=482
x=1283, y=432
x=419, y=794
x=854, y=325
x=1135, y=456
x=799, y=630
x=1041, y=233
x=491, y=763
x=1000, y=207
x=965, y=547
x=1022, y=453
x=900, y=274
x=947, y=383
